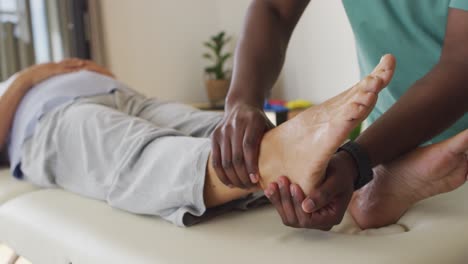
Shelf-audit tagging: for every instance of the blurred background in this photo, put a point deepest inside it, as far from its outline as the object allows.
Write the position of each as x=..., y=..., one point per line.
x=156, y=46
x=37, y=31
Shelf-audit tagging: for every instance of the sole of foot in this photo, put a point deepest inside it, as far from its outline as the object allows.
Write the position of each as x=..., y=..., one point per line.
x=302, y=147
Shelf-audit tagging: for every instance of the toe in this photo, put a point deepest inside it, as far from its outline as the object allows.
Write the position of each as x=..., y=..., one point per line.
x=372, y=84
x=459, y=143
x=378, y=79
x=366, y=99
x=385, y=69
x=355, y=111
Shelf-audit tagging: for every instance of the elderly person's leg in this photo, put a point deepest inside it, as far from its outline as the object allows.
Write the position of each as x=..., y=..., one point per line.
x=102, y=153
x=186, y=119
x=190, y=122
x=181, y=117
x=424, y=172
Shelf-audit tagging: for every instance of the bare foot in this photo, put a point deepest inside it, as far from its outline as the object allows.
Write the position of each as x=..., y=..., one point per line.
x=422, y=173
x=302, y=147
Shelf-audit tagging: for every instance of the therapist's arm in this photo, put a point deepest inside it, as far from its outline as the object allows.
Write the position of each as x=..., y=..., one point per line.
x=430, y=106
x=259, y=58
x=26, y=79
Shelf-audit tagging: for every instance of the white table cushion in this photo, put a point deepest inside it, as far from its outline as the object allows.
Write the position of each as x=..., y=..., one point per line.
x=11, y=187
x=52, y=226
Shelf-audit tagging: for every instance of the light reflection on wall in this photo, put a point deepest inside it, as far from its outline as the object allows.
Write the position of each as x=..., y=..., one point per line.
x=40, y=32
x=8, y=10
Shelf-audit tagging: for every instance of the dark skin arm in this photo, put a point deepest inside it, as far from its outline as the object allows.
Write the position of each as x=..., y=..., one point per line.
x=441, y=95
x=262, y=49
x=430, y=106
x=259, y=58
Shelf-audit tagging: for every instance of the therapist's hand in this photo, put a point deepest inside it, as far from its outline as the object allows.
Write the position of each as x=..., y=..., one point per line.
x=329, y=201
x=236, y=143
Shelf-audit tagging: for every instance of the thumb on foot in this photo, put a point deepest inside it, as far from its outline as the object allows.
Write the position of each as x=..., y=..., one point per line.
x=323, y=195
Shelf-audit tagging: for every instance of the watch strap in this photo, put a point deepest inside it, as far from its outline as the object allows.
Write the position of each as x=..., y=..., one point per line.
x=365, y=173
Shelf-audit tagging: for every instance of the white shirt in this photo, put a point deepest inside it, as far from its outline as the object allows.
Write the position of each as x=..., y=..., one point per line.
x=46, y=96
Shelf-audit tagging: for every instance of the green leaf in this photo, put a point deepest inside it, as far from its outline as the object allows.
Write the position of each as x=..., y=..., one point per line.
x=220, y=76
x=218, y=50
x=207, y=56
x=216, y=44
x=224, y=58
x=210, y=69
x=210, y=45
x=355, y=133
x=221, y=34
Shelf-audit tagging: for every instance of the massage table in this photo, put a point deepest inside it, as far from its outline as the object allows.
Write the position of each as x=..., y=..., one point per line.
x=56, y=227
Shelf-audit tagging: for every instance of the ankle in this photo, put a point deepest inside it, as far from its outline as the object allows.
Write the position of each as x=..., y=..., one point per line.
x=269, y=163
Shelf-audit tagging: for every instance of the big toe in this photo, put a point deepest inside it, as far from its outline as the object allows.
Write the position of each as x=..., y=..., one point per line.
x=365, y=93
x=379, y=78
x=385, y=68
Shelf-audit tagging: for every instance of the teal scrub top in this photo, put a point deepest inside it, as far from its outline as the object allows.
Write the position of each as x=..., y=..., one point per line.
x=413, y=31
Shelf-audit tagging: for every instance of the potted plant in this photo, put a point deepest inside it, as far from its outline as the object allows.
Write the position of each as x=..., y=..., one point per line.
x=217, y=79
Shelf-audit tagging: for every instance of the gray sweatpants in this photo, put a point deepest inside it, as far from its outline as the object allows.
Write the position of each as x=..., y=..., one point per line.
x=141, y=155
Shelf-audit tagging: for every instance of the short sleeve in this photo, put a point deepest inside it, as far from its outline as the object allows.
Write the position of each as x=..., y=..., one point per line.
x=459, y=4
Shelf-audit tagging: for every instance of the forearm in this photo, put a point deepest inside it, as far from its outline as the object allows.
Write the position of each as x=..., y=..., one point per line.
x=261, y=50
x=429, y=107
x=9, y=103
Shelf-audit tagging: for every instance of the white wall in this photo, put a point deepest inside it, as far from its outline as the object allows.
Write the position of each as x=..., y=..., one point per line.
x=155, y=46
x=322, y=59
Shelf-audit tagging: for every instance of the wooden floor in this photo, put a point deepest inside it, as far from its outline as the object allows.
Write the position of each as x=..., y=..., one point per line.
x=8, y=256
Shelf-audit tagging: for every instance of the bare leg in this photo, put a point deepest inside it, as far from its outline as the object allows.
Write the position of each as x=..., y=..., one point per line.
x=302, y=147
x=422, y=173
x=216, y=193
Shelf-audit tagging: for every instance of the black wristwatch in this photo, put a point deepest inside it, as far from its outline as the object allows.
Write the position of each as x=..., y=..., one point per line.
x=365, y=173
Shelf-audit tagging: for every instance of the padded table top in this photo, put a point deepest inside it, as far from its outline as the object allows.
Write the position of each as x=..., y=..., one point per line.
x=53, y=226
x=11, y=188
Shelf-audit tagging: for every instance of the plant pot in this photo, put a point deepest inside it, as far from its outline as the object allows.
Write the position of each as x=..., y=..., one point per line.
x=217, y=91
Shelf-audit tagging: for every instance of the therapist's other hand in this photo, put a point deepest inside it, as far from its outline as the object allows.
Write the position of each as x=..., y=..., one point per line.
x=329, y=201
x=236, y=143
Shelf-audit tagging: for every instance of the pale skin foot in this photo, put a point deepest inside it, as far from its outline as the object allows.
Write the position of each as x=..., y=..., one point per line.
x=302, y=147
x=422, y=173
